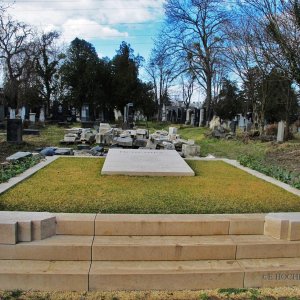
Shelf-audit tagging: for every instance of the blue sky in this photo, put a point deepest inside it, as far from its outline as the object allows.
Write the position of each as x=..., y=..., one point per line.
x=104, y=23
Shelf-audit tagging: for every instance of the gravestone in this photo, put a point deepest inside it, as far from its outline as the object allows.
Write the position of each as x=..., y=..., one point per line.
x=138, y=162
x=2, y=113
x=201, y=118
x=32, y=118
x=14, y=130
x=42, y=115
x=280, y=131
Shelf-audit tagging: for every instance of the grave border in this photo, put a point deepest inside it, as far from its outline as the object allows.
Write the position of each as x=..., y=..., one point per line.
x=48, y=160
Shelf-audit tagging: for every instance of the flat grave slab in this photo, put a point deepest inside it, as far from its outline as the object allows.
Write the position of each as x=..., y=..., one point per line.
x=138, y=162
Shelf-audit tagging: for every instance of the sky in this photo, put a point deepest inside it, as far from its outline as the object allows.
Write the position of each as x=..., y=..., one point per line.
x=104, y=23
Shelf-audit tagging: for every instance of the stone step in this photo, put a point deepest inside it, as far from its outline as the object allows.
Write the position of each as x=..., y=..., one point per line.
x=191, y=247
x=59, y=247
x=124, y=224
x=162, y=275
x=44, y=275
x=193, y=275
x=148, y=275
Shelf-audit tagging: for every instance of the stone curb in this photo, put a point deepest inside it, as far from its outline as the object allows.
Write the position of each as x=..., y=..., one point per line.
x=48, y=160
x=257, y=174
x=15, y=180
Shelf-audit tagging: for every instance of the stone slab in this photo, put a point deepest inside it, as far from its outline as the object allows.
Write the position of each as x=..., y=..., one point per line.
x=19, y=155
x=163, y=248
x=8, y=232
x=260, y=273
x=59, y=247
x=172, y=224
x=163, y=275
x=75, y=224
x=44, y=275
x=138, y=162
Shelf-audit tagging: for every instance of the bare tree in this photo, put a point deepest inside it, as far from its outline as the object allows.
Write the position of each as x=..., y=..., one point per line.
x=187, y=84
x=194, y=31
x=47, y=65
x=16, y=52
x=163, y=69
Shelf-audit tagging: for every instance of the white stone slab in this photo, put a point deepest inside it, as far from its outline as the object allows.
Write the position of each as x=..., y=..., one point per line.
x=145, y=163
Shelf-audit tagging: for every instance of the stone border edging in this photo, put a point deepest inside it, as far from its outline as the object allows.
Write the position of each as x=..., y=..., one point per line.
x=257, y=174
x=49, y=159
x=29, y=172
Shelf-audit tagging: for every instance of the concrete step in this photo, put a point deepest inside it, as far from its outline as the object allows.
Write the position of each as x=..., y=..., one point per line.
x=148, y=275
x=124, y=224
x=162, y=275
x=44, y=275
x=191, y=247
x=59, y=247
x=207, y=274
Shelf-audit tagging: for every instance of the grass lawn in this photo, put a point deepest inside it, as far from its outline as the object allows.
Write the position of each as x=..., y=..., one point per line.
x=75, y=185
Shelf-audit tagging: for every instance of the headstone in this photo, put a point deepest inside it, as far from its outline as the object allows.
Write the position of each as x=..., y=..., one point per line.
x=29, y=131
x=172, y=130
x=14, y=130
x=42, y=115
x=280, y=131
x=84, y=113
x=32, y=118
x=49, y=151
x=138, y=162
x=2, y=113
x=192, y=119
x=12, y=113
x=164, y=114
x=232, y=126
x=190, y=150
x=19, y=155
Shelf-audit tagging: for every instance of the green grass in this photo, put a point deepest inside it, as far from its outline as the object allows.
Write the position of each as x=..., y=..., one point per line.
x=75, y=185
x=223, y=148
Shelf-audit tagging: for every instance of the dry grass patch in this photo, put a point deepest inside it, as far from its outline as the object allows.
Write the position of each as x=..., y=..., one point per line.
x=76, y=185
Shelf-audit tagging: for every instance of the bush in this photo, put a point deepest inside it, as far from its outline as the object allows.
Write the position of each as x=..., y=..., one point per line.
x=277, y=172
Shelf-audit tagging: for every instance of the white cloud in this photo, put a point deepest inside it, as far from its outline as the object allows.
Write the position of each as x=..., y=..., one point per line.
x=89, y=30
x=101, y=19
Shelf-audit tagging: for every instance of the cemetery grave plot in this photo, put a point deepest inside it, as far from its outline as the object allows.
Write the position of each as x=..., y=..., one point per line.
x=76, y=185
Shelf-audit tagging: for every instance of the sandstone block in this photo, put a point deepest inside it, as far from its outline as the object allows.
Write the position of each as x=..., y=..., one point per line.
x=75, y=224
x=44, y=275
x=8, y=232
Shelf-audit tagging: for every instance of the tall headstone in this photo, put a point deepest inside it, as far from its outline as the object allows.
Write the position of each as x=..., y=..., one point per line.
x=84, y=113
x=12, y=113
x=280, y=131
x=2, y=113
x=201, y=120
x=14, y=130
x=32, y=118
x=42, y=115
x=23, y=113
